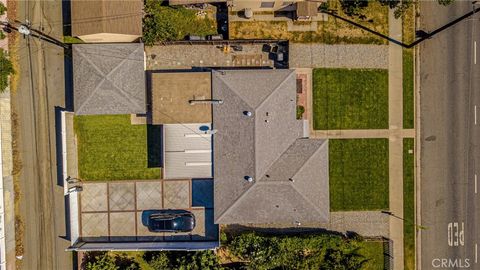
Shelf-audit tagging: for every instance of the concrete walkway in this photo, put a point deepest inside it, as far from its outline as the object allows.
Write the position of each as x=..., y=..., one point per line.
x=338, y=56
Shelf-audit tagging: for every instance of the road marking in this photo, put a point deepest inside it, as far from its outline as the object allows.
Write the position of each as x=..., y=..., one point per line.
x=475, y=52
x=476, y=257
x=475, y=183
x=475, y=114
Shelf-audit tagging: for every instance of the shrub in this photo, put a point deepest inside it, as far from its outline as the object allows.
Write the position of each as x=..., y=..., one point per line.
x=6, y=69
x=101, y=262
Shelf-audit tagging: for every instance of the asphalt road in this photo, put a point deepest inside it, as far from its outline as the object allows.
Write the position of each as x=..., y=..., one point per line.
x=40, y=90
x=449, y=96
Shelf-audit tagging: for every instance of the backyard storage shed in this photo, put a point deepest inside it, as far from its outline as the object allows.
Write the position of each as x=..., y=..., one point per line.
x=107, y=20
x=109, y=79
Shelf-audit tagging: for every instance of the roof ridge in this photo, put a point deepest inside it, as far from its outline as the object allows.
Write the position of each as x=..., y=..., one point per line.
x=105, y=77
x=303, y=165
x=236, y=201
x=292, y=72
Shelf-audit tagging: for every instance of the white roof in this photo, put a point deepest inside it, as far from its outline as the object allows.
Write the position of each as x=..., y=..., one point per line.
x=187, y=151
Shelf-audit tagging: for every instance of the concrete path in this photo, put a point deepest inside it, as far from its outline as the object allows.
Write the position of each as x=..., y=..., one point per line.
x=363, y=133
x=338, y=56
x=395, y=159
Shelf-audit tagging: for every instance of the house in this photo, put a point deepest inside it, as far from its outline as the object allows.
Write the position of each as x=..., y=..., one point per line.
x=265, y=170
x=109, y=79
x=107, y=21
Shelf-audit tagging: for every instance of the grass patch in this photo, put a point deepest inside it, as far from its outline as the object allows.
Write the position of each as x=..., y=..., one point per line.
x=350, y=98
x=332, y=31
x=408, y=90
x=358, y=174
x=110, y=148
x=408, y=24
x=373, y=250
x=165, y=23
x=409, y=204
x=71, y=40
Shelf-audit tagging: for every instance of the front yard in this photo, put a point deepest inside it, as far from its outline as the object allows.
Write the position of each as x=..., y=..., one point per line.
x=350, y=98
x=332, y=31
x=358, y=174
x=110, y=148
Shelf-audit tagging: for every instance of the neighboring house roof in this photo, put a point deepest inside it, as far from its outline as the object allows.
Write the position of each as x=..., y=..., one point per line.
x=109, y=79
x=306, y=9
x=107, y=16
x=172, y=93
x=187, y=151
x=259, y=137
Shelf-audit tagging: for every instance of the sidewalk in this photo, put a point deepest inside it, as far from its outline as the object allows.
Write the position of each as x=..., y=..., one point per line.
x=8, y=222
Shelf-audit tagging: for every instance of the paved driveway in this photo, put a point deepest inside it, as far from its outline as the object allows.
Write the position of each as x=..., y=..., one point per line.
x=112, y=211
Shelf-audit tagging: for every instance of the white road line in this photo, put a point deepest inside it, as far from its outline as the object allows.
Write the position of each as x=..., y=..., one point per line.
x=475, y=114
x=475, y=52
x=476, y=257
x=475, y=183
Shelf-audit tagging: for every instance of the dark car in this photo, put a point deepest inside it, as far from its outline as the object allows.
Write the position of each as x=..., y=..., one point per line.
x=170, y=220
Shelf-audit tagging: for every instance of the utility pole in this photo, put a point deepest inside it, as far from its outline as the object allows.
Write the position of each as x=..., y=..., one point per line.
x=26, y=30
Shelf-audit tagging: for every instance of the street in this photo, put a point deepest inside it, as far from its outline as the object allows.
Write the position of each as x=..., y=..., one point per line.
x=449, y=97
x=40, y=90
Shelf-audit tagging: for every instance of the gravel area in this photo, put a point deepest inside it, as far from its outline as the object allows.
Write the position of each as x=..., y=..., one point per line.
x=338, y=56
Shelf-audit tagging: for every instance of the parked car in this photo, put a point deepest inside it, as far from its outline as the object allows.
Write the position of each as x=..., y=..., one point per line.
x=170, y=220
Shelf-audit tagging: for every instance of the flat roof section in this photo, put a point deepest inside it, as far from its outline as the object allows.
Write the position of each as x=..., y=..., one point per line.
x=187, y=151
x=172, y=93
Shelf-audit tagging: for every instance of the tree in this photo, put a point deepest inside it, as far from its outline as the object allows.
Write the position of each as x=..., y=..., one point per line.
x=338, y=259
x=160, y=261
x=6, y=69
x=3, y=8
x=101, y=262
x=353, y=7
x=199, y=260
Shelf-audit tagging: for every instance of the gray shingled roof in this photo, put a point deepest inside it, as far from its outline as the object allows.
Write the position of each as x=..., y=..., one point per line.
x=268, y=147
x=109, y=78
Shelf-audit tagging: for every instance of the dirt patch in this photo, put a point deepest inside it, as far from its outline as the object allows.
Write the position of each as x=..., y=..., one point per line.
x=332, y=31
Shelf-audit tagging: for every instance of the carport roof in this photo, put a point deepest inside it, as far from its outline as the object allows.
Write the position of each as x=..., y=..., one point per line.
x=258, y=136
x=109, y=79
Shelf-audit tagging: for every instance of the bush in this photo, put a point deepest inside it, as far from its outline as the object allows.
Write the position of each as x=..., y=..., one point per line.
x=6, y=69
x=102, y=261
x=324, y=251
x=3, y=8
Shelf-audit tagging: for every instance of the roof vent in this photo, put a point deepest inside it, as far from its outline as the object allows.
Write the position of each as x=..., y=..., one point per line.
x=291, y=180
x=247, y=113
x=248, y=178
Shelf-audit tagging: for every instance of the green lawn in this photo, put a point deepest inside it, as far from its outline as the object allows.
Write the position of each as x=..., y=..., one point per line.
x=408, y=204
x=408, y=91
x=374, y=252
x=110, y=148
x=350, y=98
x=358, y=174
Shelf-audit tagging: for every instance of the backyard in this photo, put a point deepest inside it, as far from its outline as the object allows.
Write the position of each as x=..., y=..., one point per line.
x=110, y=148
x=350, y=99
x=332, y=31
x=166, y=23
x=358, y=174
